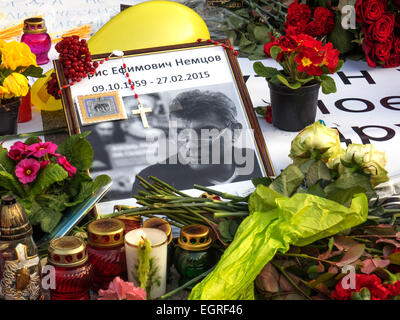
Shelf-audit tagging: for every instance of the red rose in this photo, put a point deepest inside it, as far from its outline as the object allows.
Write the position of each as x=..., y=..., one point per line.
x=396, y=45
x=325, y=18
x=382, y=50
x=369, y=281
x=298, y=13
x=383, y=28
x=392, y=62
x=368, y=46
x=368, y=11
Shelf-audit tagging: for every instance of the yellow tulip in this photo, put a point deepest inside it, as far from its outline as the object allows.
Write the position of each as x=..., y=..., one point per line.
x=17, y=84
x=16, y=54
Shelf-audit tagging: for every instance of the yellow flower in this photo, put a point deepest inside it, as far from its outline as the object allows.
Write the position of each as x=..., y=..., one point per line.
x=17, y=85
x=16, y=54
x=3, y=92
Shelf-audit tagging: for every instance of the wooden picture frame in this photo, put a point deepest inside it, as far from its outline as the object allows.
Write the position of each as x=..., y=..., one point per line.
x=153, y=70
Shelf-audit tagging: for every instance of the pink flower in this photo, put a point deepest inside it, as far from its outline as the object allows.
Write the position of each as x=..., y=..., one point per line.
x=17, y=151
x=27, y=170
x=44, y=163
x=67, y=166
x=121, y=290
x=39, y=150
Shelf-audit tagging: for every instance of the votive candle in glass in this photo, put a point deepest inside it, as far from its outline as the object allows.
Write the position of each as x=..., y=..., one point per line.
x=158, y=254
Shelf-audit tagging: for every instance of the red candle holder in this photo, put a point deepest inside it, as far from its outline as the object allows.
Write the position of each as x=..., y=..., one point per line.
x=106, y=251
x=25, y=110
x=73, y=272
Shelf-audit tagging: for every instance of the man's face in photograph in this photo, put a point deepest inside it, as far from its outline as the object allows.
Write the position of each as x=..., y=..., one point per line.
x=200, y=141
x=105, y=131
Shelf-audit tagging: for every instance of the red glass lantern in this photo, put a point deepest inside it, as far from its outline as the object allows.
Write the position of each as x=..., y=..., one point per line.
x=25, y=110
x=73, y=271
x=131, y=222
x=106, y=251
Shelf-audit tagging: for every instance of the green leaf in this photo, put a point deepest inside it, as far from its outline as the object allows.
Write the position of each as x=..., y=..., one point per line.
x=244, y=42
x=6, y=164
x=32, y=140
x=45, y=216
x=49, y=175
x=339, y=65
x=328, y=84
x=317, y=171
x=341, y=38
x=88, y=188
x=263, y=71
x=316, y=190
x=348, y=184
x=306, y=80
x=32, y=71
x=288, y=181
x=394, y=258
x=228, y=228
x=261, y=34
x=266, y=181
x=275, y=50
x=294, y=86
x=10, y=183
x=78, y=151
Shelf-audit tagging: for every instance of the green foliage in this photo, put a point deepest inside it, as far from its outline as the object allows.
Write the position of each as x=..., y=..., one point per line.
x=33, y=71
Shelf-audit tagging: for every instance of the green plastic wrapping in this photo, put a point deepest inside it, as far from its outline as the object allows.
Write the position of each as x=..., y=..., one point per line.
x=275, y=222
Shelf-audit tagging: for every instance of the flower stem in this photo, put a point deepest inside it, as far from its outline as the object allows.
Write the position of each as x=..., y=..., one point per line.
x=187, y=284
x=285, y=274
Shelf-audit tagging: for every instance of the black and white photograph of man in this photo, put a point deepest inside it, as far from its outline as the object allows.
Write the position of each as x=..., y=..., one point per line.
x=194, y=136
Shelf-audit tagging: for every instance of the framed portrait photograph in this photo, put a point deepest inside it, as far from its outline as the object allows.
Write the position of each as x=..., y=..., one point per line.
x=189, y=120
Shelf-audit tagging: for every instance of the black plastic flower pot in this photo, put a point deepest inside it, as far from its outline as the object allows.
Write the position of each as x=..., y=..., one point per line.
x=9, y=110
x=293, y=109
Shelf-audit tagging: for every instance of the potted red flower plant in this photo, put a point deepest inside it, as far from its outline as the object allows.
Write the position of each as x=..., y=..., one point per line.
x=306, y=63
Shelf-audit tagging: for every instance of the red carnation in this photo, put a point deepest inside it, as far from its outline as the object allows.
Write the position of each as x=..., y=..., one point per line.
x=383, y=28
x=315, y=29
x=325, y=18
x=298, y=13
x=369, y=281
x=394, y=289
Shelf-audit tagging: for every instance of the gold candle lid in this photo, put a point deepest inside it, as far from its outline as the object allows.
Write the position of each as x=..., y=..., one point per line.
x=14, y=223
x=34, y=25
x=132, y=218
x=195, y=237
x=161, y=224
x=107, y=232
x=68, y=251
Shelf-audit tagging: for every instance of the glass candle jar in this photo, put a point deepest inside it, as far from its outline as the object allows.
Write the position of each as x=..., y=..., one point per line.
x=193, y=255
x=131, y=222
x=106, y=251
x=73, y=272
x=36, y=37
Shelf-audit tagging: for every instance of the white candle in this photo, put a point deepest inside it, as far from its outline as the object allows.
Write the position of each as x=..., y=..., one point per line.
x=158, y=241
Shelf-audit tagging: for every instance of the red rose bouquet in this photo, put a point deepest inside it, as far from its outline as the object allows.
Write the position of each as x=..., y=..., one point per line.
x=300, y=19
x=380, y=25
x=303, y=59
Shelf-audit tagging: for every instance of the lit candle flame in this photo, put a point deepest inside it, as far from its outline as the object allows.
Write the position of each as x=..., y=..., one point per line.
x=142, y=238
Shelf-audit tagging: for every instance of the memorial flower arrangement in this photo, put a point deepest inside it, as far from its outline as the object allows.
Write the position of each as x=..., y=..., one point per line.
x=48, y=178
x=304, y=60
x=17, y=62
x=309, y=226
x=119, y=289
